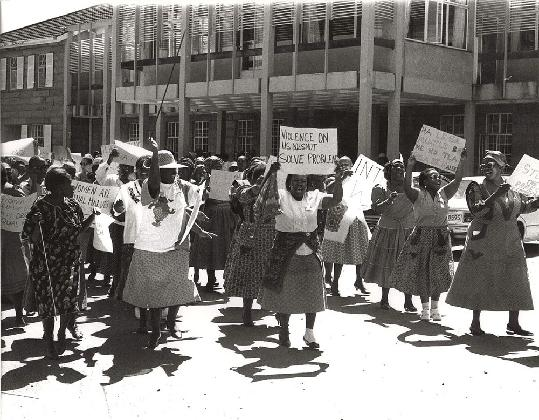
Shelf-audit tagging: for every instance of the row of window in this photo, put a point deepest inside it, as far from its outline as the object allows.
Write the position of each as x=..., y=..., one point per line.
x=36, y=70
x=40, y=132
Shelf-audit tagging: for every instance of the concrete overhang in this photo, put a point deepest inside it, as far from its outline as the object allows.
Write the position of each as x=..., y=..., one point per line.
x=450, y=91
x=514, y=91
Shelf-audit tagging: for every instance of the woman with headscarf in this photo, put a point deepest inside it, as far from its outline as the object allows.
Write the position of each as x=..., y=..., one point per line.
x=492, y=274
x=159, y=272
x=250, y=246
x=350, y=221
x=293, y=281
x=395, y=224
x=51, y=240
x=14, y=271
x=425, y=265
x=211, y=254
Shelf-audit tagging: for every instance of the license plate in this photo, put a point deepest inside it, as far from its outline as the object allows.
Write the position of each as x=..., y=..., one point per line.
x=455, y=218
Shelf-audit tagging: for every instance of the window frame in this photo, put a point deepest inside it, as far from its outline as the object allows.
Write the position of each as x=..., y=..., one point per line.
x=37, y=132
x=497, y=139
x=133, y=128
x=173, y=131
x=201, y=136
x=245, y=136
x=41, y=83
x=276, y=135
x=12, y=71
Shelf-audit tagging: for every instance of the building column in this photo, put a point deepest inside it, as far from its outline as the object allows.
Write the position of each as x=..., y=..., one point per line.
x=184, y=103
x=394, y=103
x=67, y=112
x=266, y=97
x=106, y=88
x=143, y=123
x=469, y=135
x=220, y=132
x=115, y=80
x=161, y=131
x=366, y=79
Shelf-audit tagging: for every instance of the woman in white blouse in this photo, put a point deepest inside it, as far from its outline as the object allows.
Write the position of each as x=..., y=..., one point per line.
x=294, y=283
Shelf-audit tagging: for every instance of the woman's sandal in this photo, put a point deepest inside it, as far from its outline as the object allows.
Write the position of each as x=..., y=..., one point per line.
x=476, y=331
x=313, y=345
x=410, y=308
x=518, y=330
x=154, y=341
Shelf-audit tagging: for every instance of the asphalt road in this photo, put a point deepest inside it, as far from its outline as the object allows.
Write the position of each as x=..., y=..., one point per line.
x=373, y=363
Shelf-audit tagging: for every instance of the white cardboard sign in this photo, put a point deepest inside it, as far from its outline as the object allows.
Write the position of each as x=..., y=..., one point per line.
x=92, y=195
x=194, y=212
x=308, y=150
x=367, y=174
x=220, y=183
x=438, y=148
x=525, y=177
x=128, y=153
x=14, y=211
x=20, y=148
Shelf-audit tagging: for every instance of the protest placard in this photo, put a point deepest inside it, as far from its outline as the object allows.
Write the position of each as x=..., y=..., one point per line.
x=102, y=240
x=18, y=148
x=14, y=211
x=92, y=195
x=438, y=148
x=194, y=212
x=308, y=150
x=220, y=183
x=128, y=153
x=525, y=177
x=367, y=174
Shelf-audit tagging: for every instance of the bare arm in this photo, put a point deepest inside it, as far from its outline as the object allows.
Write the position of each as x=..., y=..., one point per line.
x=411, y=192
x=154, y=180
x=451, y=188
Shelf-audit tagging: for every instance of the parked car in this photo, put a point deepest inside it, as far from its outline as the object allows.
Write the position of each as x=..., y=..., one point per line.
x=459, y=216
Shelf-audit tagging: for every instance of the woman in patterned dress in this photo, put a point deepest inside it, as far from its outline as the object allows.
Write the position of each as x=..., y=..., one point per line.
x=390, y=234
x=425, y=265
x=354, y=249
x=492, y=274
x=293, y=281
x=250, y=246
x=51, y=239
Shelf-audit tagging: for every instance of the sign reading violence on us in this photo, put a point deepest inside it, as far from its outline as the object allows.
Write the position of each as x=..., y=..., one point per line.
x=14, y=211
x=525, y=177
x=92, y=195
x=308, y=150
x=438, y=148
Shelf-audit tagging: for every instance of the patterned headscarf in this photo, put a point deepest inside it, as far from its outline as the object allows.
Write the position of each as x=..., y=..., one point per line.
x=497, y=157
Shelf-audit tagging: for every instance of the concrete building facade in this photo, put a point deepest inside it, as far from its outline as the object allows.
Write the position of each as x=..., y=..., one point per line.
x=228, y=75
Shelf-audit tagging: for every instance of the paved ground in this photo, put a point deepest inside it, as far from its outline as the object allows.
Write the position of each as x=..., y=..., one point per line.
x=374, y=363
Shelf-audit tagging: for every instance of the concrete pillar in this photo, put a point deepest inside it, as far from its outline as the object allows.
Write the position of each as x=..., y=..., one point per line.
x=161, y=131
x=469, y=135
x=66, y=132
x=366, y=79
x=115, y=80
x=220, y=132
x=143, y=122
x=266, y=97
x=184, y=103
x=106, y=87
x=394, y=103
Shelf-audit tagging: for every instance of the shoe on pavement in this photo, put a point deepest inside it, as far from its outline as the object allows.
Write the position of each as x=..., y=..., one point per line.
x=435, y=315
x=425, y=315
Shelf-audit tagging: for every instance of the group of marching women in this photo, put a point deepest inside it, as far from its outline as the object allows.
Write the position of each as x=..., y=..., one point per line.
x=279, y=246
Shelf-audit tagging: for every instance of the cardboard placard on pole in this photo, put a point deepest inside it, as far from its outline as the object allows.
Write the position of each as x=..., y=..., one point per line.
x=438, y=149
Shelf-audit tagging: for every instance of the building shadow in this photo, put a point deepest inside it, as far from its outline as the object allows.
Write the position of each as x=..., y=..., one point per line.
x=270, y=362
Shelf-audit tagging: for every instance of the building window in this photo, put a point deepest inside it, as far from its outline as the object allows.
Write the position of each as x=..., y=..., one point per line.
x=199, y=29
x=441, y=22
x=275, y=136
x=200, y=139
x=133, y=131
x=313, y=22
x=41, y=70
x=453, y=124
x=499, y=135
x=36, y=132
x=245, y=136
x=173, y=129
x=13, y=73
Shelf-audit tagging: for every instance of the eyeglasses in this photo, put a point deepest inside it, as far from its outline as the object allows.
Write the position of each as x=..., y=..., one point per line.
x=487, y=165
x=434, y=176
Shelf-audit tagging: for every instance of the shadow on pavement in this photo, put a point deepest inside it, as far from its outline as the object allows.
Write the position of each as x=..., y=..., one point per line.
x=271, y=362
x=430, y=334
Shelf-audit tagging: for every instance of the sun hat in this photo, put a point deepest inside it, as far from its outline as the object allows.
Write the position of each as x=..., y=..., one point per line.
x=167, y=161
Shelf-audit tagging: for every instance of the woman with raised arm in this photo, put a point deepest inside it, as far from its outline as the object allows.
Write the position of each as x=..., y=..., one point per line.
x=425, y=265
x=293, y=282
x=395, y=225
x=492, y=274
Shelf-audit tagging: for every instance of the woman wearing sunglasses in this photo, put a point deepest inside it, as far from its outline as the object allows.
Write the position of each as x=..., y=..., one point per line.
x=425, y=265
x=492, y=274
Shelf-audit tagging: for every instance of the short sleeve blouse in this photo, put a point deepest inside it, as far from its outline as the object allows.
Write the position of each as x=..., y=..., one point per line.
x=431, y=211
x=299, y=216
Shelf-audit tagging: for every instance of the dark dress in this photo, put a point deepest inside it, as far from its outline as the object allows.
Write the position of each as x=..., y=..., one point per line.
x=54, y=265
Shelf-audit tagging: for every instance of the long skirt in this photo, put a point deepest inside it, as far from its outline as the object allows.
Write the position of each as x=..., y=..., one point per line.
x=492, y=274
x=212, y=253
x=14, y=270
x=425, y=266
x=158, y=280
x=127, y=256
x=384, y=249
x=354, y=249
x=303, y=290
x=247, y=259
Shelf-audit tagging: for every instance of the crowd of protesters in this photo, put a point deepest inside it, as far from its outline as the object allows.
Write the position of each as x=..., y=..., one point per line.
x=277, y=246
